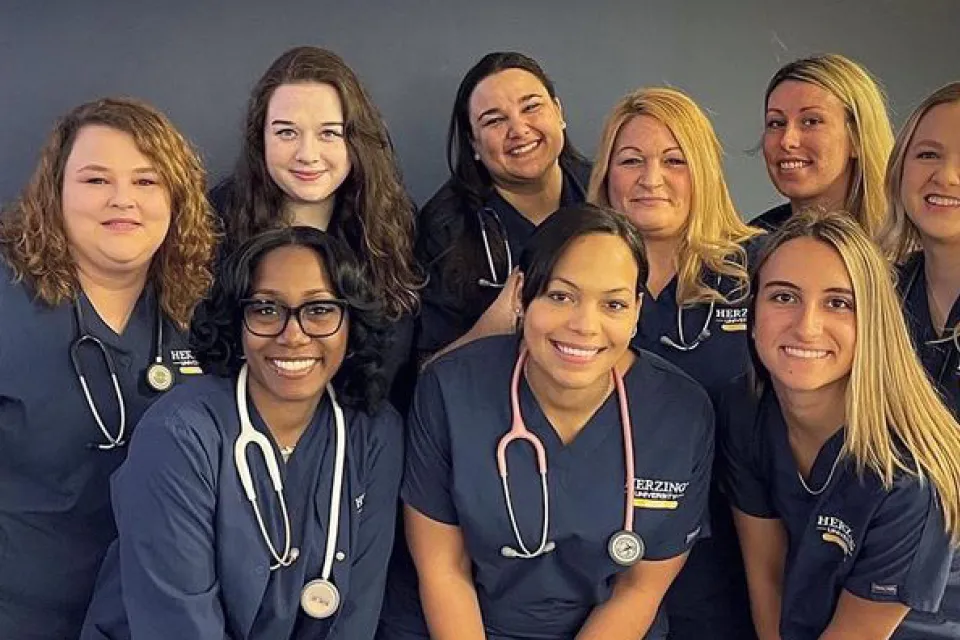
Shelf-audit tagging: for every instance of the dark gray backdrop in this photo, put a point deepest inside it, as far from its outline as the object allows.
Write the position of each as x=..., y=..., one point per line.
x=197, y=60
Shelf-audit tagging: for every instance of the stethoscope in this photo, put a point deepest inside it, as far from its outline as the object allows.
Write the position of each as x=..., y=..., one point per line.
x=159, y=377
x=704, y=334
x=319, y=598
x=954, y=336
x=494, y=282
x=624, y=547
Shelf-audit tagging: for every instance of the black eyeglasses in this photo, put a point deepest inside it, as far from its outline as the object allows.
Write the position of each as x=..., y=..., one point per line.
x=269, y=318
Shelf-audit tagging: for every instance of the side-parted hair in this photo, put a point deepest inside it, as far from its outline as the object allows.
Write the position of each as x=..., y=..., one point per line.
x=895, y=420
x=32, y=236
x=868, y=126
x=553, y=236
x=899, y=236
x=373, y=212
x=217, y=328
x=713, y=235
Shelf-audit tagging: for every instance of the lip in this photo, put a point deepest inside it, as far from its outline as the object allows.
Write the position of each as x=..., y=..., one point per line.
x=810, y=354
x=576, y=354
x=650, y=200
x=941, y=201
x=293, y=373
x=306, y=176
x=803, y=162
x=512, y=150
x=121, y=224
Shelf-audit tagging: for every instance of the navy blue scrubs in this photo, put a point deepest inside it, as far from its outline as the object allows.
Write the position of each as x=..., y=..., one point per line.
x=190, y=561
x=709, y=598
x=769, y=221
x=882, y=545
x=447, y=312
x=461, y=410
x=55, y=517
x=942, y=363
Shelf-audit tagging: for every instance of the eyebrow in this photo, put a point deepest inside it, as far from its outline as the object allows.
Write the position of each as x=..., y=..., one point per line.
x=574, y=286
x=103, y=169
x=290, y=123
x=630, y=147
x=801, y=110
x=494, y=110
x=279, y=294
x=790, y=285
x=928, y=143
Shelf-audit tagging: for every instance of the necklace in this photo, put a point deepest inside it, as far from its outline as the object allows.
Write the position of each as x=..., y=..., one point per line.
x=825, y=484
x=286, y=452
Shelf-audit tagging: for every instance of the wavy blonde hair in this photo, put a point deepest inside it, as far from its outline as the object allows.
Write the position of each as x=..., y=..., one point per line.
x=713, y=233
x=895, y=420
x=32, y=237
x=868, y=126
x=898, y=236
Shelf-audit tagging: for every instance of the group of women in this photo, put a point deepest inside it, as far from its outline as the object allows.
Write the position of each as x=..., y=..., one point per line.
x=635, y=415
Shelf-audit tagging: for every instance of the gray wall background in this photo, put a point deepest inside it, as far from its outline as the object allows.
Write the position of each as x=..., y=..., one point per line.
x=197, y=60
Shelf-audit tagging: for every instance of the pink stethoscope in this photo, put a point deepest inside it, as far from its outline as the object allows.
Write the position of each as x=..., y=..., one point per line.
x=624, y=547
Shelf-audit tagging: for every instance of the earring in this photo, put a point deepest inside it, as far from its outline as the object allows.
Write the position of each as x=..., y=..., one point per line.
x=633, y=334
x=476, y=156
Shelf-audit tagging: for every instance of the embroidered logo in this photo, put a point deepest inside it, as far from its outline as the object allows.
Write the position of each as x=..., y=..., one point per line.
x=184, y=361
x=657, y=494
x=883, y=589
x=836, y=531
x=731, y=319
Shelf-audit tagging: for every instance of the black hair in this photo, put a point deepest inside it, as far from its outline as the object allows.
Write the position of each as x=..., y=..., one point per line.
x=551, y=239
x=217, y=327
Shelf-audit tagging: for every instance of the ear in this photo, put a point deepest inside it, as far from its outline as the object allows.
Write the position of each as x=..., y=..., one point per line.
x=517, y=296
x=563, y=123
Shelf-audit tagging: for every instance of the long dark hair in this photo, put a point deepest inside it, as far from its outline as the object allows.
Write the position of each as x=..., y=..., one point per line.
x=470, y=183
x=373, y=212
x=215, y=334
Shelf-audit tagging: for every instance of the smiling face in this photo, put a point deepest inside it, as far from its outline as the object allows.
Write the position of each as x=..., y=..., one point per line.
x=116, y=209
x=806, y=144
x=805, y=329
x=517, y=128
x=930, y=186
x=649, y=180
x=292, y=368
x=581, y=325
x=304, y=142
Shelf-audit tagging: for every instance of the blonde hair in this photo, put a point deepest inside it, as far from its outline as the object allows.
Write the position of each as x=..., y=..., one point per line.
x=32, y=236
x=898, y=236
x=713, y=233
x=895, y=420
x=868, y=126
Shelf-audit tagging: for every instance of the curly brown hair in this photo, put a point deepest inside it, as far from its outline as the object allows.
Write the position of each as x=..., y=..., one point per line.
x=373, y=212
x=32, y=236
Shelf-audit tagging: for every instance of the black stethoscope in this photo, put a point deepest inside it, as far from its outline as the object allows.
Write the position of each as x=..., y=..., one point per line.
x=702, y=336
x=494, y=282
x=159, y=377
x=954, y=336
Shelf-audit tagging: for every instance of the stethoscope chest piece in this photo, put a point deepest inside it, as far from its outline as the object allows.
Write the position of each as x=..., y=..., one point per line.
x=159, y=377
x=625, y=548
x=320, y=598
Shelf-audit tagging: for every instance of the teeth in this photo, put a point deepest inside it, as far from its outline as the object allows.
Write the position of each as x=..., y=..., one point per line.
x=943, y=201
x=293, y=365
x=793, y=164
x=578, y=353
x=530, y=146
x=806, y=353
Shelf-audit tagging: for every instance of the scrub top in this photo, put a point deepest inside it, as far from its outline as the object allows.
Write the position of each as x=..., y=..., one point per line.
x=942, y=363
x=844, y=532
x=190, y=561
x=770, y=221
x=55, y=517
x=709, y=598
x=460, y=412
x=447, y=312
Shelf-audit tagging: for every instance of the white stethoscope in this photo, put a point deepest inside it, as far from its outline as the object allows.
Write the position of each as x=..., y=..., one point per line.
x=320, y=598
x=624, y=547
x=159, y=377
x=704, y=334
x=494, y=282
x=954, y=336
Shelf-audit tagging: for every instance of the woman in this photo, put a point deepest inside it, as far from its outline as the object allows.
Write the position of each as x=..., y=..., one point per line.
x=102, y=260
x=841, y=463
x=511, y=166
x=826, y=140
x=659, y=163
x=559, y=548
x=287, y=539
x=316, y=152
x=922, y=235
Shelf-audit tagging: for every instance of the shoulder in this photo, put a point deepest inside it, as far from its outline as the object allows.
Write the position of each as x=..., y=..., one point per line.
x=201, y=409
x=219, y=195
x=440, y=221
x=662, y=373
x=906, y=269
x=376, y=439
x=483, y=356
x=772, y=219
x=577, y=167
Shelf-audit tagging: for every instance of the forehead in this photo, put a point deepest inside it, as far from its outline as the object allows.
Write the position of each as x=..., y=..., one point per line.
x=791, y=262
x=794, y=95
x=103, y=145
x=291, y=269
x=598, y=261
x=503, y=88
x=647, y=133
x=311, y=101
x=941, y=123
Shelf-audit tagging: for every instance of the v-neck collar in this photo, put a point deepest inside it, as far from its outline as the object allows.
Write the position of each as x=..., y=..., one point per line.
x=140, y=326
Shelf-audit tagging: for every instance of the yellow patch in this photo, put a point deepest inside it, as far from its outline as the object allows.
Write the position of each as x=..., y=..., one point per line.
x=646, y=503
x=191, y=371
x=837, y=540
x=734, y=326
